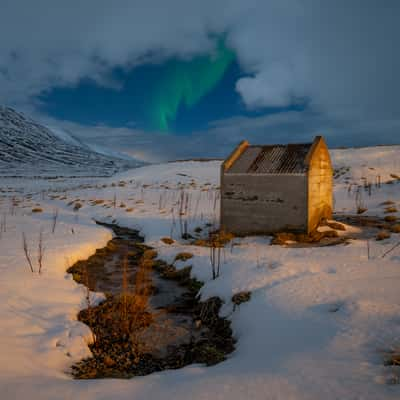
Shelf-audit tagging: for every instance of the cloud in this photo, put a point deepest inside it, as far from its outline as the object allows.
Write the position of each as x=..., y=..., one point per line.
x=340, y=57
x=222, y=136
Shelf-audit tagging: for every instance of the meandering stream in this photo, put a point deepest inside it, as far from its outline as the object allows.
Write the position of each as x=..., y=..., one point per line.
x=151, y=319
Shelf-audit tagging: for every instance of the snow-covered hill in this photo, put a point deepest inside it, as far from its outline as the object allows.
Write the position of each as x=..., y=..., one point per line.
x=28, y=148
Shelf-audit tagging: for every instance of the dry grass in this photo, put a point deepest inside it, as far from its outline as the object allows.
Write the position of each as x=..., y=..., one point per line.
x=216, y=239
x=167, y=240
x=360, y=207
x=281, y=238
x=37, y=210
x=54, y=219
x=388, y=203
x=240, y=298
x=40, y=251
x=390, y=218
x=26, y=251
x=395, y=228
x=382, y=235
x=77, y=206
x=183, y=256
x=149, y=254
x=390, y=210
x=392, y=359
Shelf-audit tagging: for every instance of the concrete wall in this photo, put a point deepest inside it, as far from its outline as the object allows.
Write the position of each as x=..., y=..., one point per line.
x=263, y=203
x=320, y=200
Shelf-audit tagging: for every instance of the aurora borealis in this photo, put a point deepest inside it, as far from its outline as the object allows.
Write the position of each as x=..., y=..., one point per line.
x=184, y=84
x=165, y=97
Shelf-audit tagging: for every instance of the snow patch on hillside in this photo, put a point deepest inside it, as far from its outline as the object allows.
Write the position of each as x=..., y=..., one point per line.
x=30, y=149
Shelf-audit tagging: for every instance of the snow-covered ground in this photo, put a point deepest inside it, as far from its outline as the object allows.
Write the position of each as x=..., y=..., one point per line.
x=316, y=326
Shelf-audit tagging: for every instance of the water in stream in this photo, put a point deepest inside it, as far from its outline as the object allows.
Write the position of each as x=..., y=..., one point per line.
x=151, y=319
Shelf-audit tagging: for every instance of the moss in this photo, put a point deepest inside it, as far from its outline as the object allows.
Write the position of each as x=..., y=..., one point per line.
x=208, y=354
x=194, y=285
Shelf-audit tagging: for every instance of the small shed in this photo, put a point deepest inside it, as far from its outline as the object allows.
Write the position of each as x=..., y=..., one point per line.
x=275, y=188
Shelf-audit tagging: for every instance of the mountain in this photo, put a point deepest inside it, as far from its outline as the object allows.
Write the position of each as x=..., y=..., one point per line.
x=28, y=148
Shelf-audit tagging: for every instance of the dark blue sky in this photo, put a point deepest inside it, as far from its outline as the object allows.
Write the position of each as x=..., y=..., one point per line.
x=89, y=103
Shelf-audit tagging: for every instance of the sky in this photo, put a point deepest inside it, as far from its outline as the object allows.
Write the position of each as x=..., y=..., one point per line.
x=161, y=80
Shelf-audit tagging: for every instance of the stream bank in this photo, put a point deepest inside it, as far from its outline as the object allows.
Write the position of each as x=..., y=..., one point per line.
x=151, y=319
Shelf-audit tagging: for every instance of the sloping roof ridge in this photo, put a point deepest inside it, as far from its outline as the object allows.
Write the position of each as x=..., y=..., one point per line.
x=281, y=144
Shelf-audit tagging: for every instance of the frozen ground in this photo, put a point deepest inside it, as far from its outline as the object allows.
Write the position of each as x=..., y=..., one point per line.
x=317, y=324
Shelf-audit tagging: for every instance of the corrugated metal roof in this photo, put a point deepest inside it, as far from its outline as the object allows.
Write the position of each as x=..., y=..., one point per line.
x=274, y=159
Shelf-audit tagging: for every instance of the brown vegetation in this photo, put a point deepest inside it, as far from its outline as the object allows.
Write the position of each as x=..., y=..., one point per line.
x=395, y=228
x=126, y=330
x=240, y=298
x=183, y=256
x=382, y=235
x=167, y=240
x=316, y=236
x=77, y=206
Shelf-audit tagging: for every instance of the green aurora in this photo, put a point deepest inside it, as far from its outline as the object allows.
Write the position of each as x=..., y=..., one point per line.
x=185, y=83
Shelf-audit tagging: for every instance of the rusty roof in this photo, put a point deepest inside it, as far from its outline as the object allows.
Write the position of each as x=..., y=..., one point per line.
x=272, y=159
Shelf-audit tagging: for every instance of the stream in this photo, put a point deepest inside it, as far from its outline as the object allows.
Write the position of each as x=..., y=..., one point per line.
x=151, y=319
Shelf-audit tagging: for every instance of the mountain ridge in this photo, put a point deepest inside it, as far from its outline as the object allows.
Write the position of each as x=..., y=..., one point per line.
x=28, y=148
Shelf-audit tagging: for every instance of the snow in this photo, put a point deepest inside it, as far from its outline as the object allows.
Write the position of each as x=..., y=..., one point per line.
x=317, y=323
x=30, y=149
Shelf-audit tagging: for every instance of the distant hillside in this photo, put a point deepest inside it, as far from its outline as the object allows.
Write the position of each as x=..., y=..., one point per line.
x=28, y=148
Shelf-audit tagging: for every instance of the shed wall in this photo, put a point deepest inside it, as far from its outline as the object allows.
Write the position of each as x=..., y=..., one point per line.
x=263, y=203
x=320, y=187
